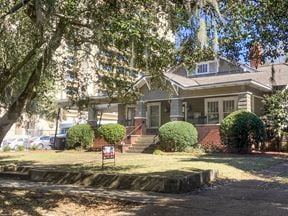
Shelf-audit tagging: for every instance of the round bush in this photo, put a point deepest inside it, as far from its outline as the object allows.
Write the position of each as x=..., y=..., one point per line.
x=241, y=129
x=112, y=133
x=80, y=136
x=177, y=136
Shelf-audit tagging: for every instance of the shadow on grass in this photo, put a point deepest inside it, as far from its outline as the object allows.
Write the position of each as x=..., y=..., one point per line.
x=12, y=160
x=35, y=202
x=245, y=162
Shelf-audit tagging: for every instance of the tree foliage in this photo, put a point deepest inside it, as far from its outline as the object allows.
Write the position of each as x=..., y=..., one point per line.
x=33, y=32
x=276, y=115
x=43, y=40
x=247, y=22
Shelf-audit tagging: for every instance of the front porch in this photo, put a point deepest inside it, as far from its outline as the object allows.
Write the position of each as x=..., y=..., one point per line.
x=205, y=113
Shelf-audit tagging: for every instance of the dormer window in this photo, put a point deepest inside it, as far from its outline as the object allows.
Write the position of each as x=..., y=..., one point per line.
x=202, y=68
x=205, y=67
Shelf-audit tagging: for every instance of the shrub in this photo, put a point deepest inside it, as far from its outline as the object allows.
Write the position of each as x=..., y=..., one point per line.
x=158, y=152
x=177, y=136
x=6, y=149
x=195, y=150
x=34, y=147
x=80, y=136
x=241, y=129
x=20, y=148
x=112, y=133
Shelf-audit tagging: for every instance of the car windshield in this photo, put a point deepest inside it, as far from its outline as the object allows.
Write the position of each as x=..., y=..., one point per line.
x=64, y=130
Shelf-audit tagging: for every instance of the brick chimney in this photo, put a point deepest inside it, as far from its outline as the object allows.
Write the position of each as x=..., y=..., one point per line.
x=255, y=55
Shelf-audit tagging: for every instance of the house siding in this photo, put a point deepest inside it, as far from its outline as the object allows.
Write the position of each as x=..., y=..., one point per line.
x=213, y=67
x=165, y=112
x=225, y=66
x=212, y=91
x=244, y=102
x=121, y=114
x=154, y=94
x=258, y=106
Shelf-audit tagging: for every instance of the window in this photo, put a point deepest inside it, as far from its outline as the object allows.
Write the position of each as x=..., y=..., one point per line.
x=217, y=109
x=202, y=68
x=213, y=112
x=228, y=107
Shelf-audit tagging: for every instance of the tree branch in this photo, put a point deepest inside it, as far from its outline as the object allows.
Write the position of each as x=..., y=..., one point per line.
x=16, y=7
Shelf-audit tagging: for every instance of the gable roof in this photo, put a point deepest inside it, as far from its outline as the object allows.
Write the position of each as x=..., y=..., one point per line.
x=261, y=79
x=255, y=79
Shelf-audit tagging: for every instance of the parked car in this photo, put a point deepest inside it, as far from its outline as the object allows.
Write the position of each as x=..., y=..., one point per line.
x=42, y=142
x=15, y=142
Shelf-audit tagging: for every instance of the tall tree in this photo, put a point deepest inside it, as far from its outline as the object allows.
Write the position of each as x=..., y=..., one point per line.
x=33, y=30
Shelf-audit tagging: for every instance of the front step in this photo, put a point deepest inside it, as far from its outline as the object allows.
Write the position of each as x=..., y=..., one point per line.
x=143, y=145
x=15, y=175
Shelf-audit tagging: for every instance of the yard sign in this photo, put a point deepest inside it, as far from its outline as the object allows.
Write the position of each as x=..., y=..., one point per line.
x=108, y=152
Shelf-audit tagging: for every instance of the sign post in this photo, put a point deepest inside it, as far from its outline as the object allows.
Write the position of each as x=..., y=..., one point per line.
x=108, y=152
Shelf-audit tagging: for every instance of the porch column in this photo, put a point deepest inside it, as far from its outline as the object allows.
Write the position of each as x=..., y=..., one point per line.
x=140, y=118
x=245, y=102
x=176, y=113
x=92, y=115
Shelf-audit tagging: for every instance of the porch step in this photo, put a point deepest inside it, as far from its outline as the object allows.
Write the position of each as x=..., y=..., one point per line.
x=143, y=145
x=15, y=175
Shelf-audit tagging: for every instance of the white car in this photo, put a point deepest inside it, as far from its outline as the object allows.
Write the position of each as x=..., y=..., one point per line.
x=42, y=142
x=15, y=142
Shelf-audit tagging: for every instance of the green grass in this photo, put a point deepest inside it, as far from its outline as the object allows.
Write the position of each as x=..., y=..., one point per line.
x=230, y=166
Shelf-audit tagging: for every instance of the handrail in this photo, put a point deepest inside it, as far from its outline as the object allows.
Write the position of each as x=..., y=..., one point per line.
x=136, y=128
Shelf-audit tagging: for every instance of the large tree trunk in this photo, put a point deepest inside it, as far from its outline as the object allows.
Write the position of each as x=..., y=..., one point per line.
x=16, y=108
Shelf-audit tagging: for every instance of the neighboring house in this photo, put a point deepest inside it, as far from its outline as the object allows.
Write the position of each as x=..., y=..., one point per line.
x=203, y=97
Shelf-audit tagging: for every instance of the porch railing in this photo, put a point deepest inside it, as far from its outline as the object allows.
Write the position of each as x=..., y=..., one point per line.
x=198, y=120
x=133, y=131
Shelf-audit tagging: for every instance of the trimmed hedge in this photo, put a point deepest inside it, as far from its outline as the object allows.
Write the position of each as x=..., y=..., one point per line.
x=80, y=136
x=241, y=129
x=112, y=133
x=177, y=136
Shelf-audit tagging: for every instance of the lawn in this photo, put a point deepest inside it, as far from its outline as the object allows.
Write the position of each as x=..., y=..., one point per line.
x=230, y=166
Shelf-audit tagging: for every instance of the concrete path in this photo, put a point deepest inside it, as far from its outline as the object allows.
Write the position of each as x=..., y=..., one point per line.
x=252, y=197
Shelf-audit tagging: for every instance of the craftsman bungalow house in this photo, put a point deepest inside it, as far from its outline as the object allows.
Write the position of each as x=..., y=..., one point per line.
x=203, y=97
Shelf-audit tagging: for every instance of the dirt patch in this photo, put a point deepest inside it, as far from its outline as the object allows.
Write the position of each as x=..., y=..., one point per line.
x=24, y=202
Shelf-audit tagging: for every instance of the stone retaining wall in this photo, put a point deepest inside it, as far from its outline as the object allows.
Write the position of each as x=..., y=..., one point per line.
x=164, y=184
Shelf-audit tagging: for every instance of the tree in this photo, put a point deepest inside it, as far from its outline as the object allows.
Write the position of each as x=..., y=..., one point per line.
x=276, y=115
x=33, y=30
x=247, y=22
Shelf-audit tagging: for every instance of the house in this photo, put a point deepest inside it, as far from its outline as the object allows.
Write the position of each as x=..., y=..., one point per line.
x=203, y=97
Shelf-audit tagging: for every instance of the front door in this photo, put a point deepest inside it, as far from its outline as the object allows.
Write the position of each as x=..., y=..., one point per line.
x=154, y=115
